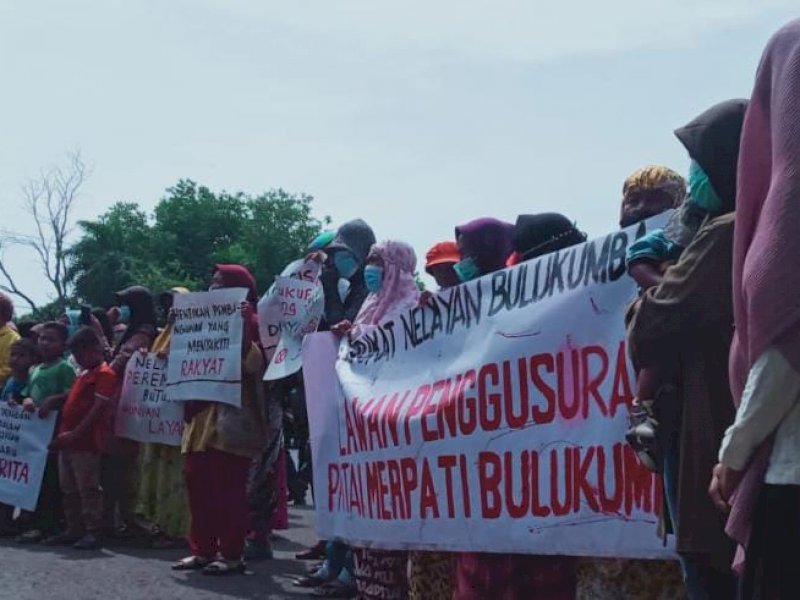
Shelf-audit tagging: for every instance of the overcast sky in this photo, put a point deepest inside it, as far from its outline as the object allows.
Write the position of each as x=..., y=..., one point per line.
x=415, y=115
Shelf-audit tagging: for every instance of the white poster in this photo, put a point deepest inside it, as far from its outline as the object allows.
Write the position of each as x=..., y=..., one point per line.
x=145, y=413
x=491, y=419
x=205, y=355
x=24, y=438
x=292, y=307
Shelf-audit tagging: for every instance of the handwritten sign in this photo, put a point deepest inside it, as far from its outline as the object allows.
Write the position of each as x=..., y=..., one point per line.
x=144, y=412
x=498, y=406
x=271, y=309
x=24, y=438
x=301, y=305
x=206, y=347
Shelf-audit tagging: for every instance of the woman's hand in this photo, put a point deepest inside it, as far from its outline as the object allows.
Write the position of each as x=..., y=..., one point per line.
x=724, y=482
x=63, y=440
x=28, y=405
x=316, y=256
x=426, y=297
x=342, y=328
x=47, y=407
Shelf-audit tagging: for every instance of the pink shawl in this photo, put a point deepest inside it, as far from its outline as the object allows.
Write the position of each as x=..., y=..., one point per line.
x=766, y=278
x=399, y=291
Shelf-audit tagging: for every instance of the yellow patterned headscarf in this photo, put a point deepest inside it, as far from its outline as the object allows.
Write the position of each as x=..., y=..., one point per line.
x=656, y=177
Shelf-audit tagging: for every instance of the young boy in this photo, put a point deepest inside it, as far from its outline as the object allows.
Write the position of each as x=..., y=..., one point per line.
x=82, y=438
x=24, y=355
x=46, y=391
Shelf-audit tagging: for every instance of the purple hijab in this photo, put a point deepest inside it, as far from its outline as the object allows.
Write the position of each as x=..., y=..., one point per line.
x=488, y=241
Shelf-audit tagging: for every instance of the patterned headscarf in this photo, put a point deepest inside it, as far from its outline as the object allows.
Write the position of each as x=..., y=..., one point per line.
x=399, y=291
x=656, y=177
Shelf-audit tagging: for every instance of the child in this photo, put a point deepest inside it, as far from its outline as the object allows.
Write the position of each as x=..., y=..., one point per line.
x=82, y=438
x=647, y=259
x=24, y=355
x=48, y=387
x=7, y=336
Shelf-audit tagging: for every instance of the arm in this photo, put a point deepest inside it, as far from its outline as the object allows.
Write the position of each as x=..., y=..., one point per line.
x=645, y=273
x=772, y=389
x=135, y=343
x=694, y=294
x=100, y=405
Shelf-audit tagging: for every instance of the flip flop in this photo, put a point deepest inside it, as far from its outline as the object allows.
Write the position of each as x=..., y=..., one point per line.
x=191, y=563
x=220, y=568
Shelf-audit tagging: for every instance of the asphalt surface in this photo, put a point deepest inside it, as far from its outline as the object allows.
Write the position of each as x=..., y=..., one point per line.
x=125, y=572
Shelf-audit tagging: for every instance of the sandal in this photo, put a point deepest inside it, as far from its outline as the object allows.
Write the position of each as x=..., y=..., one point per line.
x=191, y=563
x=34, y=536
x=224, y=567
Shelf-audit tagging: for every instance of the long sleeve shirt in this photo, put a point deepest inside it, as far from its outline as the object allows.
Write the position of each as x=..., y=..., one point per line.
x=770, y=403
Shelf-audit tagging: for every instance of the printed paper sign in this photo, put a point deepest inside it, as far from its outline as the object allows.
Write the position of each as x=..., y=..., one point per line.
x=24, y=438
x=145, y=413
x=205, y=355
x=491, y=419
x=292, y=307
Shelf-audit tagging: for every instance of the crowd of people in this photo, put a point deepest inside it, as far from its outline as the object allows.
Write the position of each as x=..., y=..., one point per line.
x=714, y=338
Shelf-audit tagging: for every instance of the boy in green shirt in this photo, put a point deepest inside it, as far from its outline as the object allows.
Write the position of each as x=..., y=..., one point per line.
x=49, y=385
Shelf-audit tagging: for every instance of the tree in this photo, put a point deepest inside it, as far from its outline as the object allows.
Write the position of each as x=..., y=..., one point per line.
x=191, y=230
x=49, y=199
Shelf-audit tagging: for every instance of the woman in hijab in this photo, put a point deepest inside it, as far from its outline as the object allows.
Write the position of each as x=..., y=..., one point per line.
x=762, y=448
x=389, y=278
x=686, y=323
x=220, y=442
x=162, y=493
x=513, y=576
x=120, y=469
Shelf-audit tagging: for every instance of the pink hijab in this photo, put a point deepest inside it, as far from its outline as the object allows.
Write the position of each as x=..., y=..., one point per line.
x=399, y=291
x=766, y=279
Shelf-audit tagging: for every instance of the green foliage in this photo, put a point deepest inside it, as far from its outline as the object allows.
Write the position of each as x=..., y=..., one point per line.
x=190, y=231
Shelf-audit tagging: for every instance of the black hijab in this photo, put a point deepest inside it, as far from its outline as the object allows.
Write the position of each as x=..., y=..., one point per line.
x=536, y=235
x=712, y=139
x=143, y=311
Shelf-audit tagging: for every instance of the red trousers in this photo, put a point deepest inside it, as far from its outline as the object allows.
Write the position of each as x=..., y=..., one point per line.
x=216, y=483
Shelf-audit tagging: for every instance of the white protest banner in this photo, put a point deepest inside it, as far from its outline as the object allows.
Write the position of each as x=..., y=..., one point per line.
x=145, y=413
x=491, y=419
x=292, y=307
x=205, y=353
x=24, y=438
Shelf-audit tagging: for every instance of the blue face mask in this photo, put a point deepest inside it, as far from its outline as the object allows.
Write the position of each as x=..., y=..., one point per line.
x=373, y=277
x=467, y=269
x=124, y=313
x=345, y=263
x=701, y=192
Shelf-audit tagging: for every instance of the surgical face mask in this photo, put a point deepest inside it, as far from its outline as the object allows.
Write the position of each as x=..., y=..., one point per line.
x=345, y=263
x=701, y=192
x=467, y=269
x=124, y=313
x=73, y=321
x=373, y=277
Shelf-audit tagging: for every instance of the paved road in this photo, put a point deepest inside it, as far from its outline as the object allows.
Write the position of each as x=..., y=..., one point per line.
x=120, y=573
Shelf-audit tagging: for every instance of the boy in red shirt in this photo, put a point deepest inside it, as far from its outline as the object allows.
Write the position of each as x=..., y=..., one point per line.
x=82, y=438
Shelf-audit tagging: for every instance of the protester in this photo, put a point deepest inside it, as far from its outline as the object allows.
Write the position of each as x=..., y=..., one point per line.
x=82, y=438
x=347, y=255
x=48, y=386
x=685, y=323
x=219, y=444
x=24, y=355
x=651, y=190
x=485, y=245
x=344, y=260
x=440, y=262
x=648, y=192
x=120, y=470
x=431, y=574
x=162, y=490
x=389, y=277
x=761, y=451
x=7, y=336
